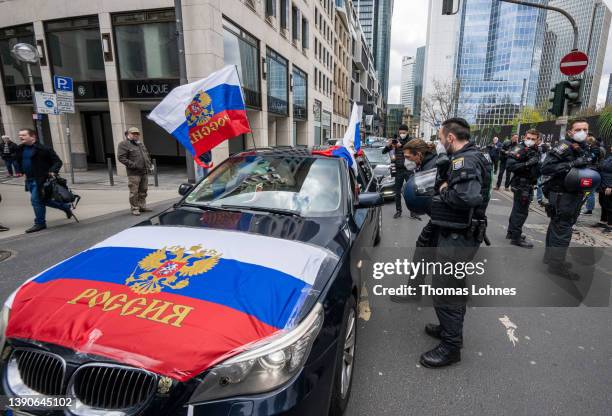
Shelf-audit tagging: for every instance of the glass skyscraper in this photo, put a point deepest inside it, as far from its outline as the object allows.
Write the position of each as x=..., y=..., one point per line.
x=499, y=50
x=375, y=19
x=419, y=69
x=593, y=20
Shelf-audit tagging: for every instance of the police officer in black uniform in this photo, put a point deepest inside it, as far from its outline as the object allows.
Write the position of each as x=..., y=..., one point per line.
x=503, y=158
x=395, y=147
x=523, y=162
x=459, y=212
x=563, y=206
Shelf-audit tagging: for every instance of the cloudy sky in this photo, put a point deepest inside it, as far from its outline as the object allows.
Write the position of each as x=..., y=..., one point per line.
x=409, y=31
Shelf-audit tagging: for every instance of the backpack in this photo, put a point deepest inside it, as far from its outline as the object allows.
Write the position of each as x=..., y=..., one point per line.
x=56, y=189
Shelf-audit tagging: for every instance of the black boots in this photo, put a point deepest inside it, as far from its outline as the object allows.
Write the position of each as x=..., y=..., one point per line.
x=441, y=356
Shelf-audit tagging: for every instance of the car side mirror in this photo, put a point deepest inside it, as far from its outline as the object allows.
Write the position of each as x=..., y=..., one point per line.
x=370, y=200
x=185, y=188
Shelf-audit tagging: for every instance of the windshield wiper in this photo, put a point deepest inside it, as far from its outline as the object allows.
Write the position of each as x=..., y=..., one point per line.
x=206, y=207
x=279, y=211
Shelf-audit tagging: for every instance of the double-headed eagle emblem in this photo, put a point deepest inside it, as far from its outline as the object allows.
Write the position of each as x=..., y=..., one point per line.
x=171, y=267
x=200, y=110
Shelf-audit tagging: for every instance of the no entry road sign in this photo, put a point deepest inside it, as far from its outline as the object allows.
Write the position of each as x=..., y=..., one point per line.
x=574, y=63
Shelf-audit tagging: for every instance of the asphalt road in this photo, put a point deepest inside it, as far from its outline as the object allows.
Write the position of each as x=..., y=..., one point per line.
x=560, y=365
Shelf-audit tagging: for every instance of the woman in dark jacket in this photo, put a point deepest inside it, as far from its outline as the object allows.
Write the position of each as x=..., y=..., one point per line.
x=424, y=155
x=605, y=193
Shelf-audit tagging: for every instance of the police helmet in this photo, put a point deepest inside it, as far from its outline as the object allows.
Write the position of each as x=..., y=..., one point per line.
x=582, y=180
x=419, y=190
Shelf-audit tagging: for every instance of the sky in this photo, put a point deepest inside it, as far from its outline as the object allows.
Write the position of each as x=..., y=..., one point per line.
x=409, y=31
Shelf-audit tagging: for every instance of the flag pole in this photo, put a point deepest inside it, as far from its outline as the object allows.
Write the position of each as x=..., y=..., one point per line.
x=245, y=111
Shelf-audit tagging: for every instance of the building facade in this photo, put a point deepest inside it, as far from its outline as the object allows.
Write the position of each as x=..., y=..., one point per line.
x=343, y=64
x=375, y=18
x=394, y=118
x=609, y=93
x=407, y=82
x=439, y=55
x=593, y=20
x=123, y=59
x=418, y=76
x=499, y=51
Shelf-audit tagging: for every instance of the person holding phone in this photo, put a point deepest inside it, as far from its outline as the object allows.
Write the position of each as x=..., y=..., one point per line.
x=395, y=148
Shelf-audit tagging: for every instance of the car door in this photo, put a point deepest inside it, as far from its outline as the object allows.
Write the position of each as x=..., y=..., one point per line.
x=368, y=183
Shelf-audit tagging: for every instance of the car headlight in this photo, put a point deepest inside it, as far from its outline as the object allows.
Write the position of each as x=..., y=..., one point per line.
x=262, y=368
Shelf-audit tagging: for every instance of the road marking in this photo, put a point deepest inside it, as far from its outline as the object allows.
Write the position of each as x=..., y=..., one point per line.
x=510, y=328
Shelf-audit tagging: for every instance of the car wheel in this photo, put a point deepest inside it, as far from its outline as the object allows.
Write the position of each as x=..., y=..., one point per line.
x=379, y=231
x=345, y=361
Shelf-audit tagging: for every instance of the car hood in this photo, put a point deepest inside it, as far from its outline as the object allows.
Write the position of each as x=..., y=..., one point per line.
x=382, y=170
x=173, y=300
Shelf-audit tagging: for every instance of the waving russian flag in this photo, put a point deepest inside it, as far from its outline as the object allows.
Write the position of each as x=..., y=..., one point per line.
x=352, y=137
x=204, y=113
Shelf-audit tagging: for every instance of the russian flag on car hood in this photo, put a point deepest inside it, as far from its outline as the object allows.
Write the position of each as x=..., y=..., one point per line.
x=204, y=113
x=173, y=300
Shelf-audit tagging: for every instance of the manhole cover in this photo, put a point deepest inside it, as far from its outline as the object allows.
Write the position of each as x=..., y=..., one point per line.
x=5, y=255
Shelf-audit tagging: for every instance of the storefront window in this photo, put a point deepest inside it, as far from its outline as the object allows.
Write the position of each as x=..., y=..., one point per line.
x=14, y=73
x=300, y=97
x=278, y=95
x=146, y=45
x=242, y=49
x=75, y=50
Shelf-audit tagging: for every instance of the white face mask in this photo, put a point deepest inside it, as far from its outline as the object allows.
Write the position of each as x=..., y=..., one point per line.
x=529, y=143
x=580, y=136
x=409, y=164
x=403, y=136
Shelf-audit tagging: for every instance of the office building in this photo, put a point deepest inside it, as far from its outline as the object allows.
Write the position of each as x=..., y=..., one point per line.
x=593, y=20
x=439, y=55
x=609, y=93
x=417, y=75
x=394, y=118
x=124, y=60
x=375, y=18
x=407, y=82
x=499, y=51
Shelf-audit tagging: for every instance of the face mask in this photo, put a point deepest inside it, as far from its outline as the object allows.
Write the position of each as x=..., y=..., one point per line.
x=529, y=143
x=409, y=165
x=403, y=136
x=580, y=136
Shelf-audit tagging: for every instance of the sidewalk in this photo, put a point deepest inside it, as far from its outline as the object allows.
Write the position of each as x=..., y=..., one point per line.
x=96, y=199
x=97, y=178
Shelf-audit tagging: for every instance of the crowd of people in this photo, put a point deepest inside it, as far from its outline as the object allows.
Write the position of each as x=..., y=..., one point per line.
x=563, y=176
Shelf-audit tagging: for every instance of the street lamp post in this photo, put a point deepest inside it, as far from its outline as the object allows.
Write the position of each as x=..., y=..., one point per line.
x=28, y=54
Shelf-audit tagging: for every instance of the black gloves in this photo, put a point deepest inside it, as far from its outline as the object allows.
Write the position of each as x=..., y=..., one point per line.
x=532, y=161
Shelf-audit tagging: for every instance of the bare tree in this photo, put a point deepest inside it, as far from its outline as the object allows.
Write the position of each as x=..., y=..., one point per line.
x=438, y=105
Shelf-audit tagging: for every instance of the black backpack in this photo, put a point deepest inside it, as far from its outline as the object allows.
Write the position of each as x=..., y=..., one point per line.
x=56, y=189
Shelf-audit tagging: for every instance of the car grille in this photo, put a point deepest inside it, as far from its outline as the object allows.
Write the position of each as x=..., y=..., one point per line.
x=113, y=387
x=41, y=371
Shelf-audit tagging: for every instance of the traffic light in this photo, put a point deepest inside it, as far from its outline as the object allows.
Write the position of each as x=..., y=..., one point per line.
x=572, y=93
x=558, y=100
x=447, y=7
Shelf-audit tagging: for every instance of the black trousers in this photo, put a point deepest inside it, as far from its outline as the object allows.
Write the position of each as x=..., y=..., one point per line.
x=606, y=207
x=495, y=164
x=523, y=195
x=500, y=174
x=565, y=209
x=450, y=309
x=401, y=176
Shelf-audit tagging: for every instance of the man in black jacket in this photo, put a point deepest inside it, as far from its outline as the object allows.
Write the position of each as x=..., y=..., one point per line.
x=8, y=155
x=38, y=163
x=395, y=147
x=503, y=159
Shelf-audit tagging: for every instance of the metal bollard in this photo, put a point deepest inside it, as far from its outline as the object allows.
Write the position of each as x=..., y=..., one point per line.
x=155, y=177
x=109, y=165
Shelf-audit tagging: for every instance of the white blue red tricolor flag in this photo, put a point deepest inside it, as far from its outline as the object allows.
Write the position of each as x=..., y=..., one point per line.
x=352, y=137
x=173, y=300
x=204, y=113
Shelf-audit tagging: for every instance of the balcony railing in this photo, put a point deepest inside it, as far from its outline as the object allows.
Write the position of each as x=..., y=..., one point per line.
x=278, y=106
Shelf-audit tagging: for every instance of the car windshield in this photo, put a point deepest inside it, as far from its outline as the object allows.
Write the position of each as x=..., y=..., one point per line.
x=306, y=186
x=376, y=156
